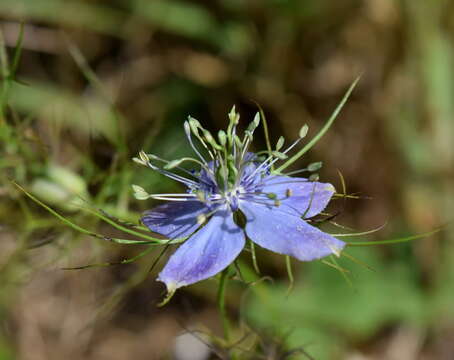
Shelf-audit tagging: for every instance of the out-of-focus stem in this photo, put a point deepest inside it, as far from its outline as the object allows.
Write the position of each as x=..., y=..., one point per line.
x=221, y=305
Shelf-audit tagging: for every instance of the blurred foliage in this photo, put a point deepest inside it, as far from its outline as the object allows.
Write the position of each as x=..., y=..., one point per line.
x=99, y=80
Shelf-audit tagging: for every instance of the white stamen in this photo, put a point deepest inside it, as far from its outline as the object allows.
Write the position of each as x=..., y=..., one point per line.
x=187, y=130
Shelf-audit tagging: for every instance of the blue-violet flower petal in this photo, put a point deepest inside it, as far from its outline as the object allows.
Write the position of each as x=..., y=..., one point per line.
x=287, y=234
x=307, y=198
x=207, y=252
x=174, y=219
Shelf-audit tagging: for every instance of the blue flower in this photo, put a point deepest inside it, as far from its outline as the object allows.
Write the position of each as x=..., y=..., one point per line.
x=234, y=195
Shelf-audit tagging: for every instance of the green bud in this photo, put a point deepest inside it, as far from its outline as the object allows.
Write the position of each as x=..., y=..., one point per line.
x=253, y=125
x=232, y=112
x=303, y=131
x=234, y=117
x=315, y=166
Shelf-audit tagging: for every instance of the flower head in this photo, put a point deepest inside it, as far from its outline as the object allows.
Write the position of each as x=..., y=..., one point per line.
x=234, y=195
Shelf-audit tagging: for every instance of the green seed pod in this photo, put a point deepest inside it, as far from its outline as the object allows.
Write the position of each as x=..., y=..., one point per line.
x=210, y=140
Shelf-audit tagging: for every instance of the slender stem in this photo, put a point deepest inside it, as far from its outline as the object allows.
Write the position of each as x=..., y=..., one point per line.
x=323, y=130
x=5, y=74
x=254, y=258
x=266, y=132
x=288, y=264
x=221, y=305
x=393, y=241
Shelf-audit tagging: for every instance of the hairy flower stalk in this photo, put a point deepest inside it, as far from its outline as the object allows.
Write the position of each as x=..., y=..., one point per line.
x=232, y=183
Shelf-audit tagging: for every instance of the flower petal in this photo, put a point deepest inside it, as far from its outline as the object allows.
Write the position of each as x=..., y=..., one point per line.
x=174, y=219
x=207, y=252
x=305, y=197
x=276, y=230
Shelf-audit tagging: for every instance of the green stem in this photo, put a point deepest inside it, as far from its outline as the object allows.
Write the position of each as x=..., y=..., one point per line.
x=322, y=132
x=393, y=241
x=221, y=305
x=266, y=132
x=288, y=263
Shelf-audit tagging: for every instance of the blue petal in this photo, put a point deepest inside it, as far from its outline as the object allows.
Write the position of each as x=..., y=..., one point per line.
x=206, y=253
x=174, y=219
x=304, y=197
x=276, y=230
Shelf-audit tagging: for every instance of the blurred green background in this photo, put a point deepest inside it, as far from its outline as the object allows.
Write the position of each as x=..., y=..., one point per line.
x=98, y=80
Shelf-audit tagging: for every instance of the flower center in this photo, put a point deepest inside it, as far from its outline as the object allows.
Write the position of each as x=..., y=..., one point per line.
x=231, y=197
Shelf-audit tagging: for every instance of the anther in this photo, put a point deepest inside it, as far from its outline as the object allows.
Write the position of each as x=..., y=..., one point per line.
x=144, y=157
x=201, y=219
x=139, y=161
x=201, y=196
